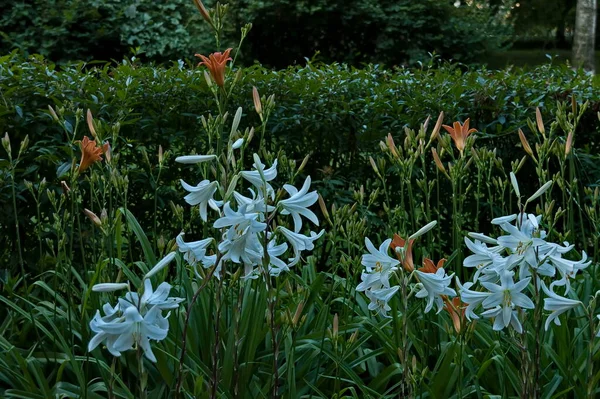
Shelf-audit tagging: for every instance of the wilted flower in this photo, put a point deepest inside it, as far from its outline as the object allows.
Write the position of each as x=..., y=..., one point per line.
x=216, y=63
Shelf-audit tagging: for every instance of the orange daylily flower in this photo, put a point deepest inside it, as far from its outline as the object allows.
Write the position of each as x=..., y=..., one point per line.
x=406, y=258
x=216, y=63
x=430, y=267
x=456, y=310
x=459, y=134
x=91, y=153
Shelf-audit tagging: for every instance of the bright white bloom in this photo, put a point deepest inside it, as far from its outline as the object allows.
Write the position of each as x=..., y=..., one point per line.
x=378, y=259
x=134, y=321
x=195, y=251
x=191, y=159
x=557, y=305
x=241, y=221
x=255, y=177
x=298, y=203
x=256, y=204
x=276, y=266
x=380, y=298
x=202, y=195
x=500, y=319
x=472, y=298
x=507, y=296
x=432, y=286
x=300, y=242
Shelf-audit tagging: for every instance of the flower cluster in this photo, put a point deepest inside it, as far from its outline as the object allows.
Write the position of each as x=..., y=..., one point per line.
x=432, y=281
x=515, y=265
x=135, y=320
x=248, y=237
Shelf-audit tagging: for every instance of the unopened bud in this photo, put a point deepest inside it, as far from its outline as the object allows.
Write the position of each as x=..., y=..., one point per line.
x=160, y=154
x=6, y=143
x=539, y=121
x=438, y=125
x=256, y=99
x=525, y=143
x=391, y=145
x=65, y=187
x=569, y=143
x=297, y=314
x=373, y=165
x=203, y=11
x=323, y=207
x=438, y=161
x=93, y=217
x=53, y=113
x=303, y=164
x=90, y=123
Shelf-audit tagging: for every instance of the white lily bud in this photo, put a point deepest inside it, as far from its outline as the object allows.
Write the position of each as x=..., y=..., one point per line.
x=109, y=287
x=160, y=265
x=423, y=230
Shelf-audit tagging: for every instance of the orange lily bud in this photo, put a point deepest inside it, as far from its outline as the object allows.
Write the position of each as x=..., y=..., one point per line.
x=525, y=143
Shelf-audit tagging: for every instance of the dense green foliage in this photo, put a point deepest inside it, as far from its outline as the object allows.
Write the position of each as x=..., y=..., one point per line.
x=286, y=32
x=335, y=113
x=312, y=326
x=66, y=30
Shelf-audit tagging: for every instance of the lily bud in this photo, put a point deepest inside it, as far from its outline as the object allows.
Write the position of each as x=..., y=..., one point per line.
x=323, y=207
x=373, y=165
x=65, y=187
x=569, y=143
x=203, y=11
x=90, y=123
x=93, y=217
x=539, y=121
x=525, y=143
x=438, y=161
x=256, y=99
x=438, y=125
x=303, y=164
x=53, y=113
x=391, y=145
x=6, y=143
x=160, y=154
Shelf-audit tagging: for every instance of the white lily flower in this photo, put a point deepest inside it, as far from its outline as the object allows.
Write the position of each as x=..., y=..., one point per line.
x=256, y=204
x=195, y=251
x=300, y=242
x=380, y=298
x=298, y=203
x=241, y=221
x=472, y=298
x=557, y=305
x=192, y=159
x=433, y=286
x=276, y=265
x=378, y=259
x=500, y=319
x=255, y=177
x=202, y=195
x=507, y=295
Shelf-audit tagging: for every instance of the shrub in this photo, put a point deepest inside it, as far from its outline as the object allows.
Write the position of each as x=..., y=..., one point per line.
x=336, y=113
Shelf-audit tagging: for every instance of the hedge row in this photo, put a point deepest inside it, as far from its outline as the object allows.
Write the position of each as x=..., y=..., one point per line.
x=336, y=113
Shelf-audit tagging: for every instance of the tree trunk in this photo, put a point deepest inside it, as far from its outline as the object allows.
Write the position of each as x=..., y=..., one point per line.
x=585, y=35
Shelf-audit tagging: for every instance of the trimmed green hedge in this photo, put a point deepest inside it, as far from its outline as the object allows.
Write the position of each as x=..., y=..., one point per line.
x=336, y=113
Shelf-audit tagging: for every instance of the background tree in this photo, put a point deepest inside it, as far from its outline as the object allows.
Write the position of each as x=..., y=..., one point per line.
x=585, y=35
